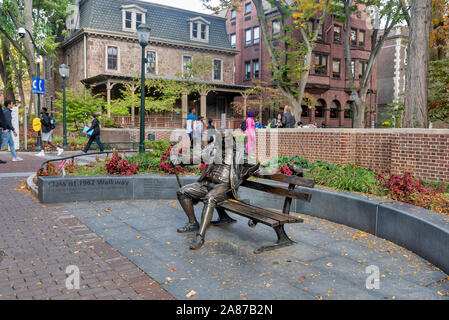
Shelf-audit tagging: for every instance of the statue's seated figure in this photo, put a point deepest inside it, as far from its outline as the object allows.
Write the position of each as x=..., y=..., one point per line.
x=224, y=173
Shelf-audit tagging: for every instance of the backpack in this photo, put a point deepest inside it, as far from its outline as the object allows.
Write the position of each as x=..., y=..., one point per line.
x=52, y=123
x=243, y=125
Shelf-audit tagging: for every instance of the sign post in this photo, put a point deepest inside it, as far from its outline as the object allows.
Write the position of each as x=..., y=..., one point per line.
x=25, y=127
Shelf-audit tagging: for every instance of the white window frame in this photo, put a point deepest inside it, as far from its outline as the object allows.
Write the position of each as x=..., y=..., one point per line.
x=200, y=21
x=221, y=70
x=134, y=10
x=254, y=35
x=118, y=58
x=253, y=69
x=155, y=64
x=182, y=62
x=235, y=40
x=249, y=32
x=276, y=22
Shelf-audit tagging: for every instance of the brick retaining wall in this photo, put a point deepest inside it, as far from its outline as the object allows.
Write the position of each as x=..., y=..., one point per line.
x=425, y=153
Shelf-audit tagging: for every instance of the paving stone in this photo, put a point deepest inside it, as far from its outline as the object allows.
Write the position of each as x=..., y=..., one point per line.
x=39, y=245
x=328, y=261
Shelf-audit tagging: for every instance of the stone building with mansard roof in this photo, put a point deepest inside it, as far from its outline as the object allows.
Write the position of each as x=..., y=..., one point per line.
x=103, y=53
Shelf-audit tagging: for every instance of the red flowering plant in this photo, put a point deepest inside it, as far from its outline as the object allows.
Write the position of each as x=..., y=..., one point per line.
x=405, y=188
x=118, y=165
x=285, y=170
x=49, y=170
x=167, y=167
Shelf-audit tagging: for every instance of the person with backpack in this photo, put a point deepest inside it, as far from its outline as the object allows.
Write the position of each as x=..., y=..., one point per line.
x=95, y=136
x=48, y=125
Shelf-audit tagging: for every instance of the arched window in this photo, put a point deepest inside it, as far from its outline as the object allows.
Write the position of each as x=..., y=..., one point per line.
x=319, y=108
x=305, y=111
x=348, y=110
x=335, y=107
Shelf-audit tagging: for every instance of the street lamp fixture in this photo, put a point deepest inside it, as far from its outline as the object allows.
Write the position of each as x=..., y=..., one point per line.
x=143, y=34
x=22, y=33
x=64, y=72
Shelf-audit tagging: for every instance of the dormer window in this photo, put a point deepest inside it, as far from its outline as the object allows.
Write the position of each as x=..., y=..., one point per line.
x=133, y=16
x=199, y=29
x=128, y=20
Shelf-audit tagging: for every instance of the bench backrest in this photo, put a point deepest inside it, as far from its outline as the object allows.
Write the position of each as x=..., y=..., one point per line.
x=288, y=192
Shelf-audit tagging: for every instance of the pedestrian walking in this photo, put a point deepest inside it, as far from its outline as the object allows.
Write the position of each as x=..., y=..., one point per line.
x=3, y=125
x=251, y=133
x=258, y=124
x=9, y=131
x=48, y=125
x=288, y=120
x=189, y=123
x=198, y=128
x=95, y=136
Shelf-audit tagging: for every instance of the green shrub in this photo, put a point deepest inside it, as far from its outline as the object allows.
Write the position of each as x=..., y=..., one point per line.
x=349, y=177
x=146, y=161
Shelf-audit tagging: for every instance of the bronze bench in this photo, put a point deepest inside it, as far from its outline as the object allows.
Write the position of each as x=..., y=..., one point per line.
x=272, y=218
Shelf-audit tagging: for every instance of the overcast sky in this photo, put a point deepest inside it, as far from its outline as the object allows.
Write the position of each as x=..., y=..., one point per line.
x=192, y=5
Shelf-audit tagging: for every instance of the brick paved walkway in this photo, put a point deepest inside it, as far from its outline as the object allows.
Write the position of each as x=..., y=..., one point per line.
x=38, y=242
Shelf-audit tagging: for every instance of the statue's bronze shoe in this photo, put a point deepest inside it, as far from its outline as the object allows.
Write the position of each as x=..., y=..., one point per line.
x=189, y=227
x=198, y=244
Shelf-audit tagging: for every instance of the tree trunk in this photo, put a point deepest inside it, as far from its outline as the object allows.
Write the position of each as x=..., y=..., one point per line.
x=417, y=76
x=5, y=71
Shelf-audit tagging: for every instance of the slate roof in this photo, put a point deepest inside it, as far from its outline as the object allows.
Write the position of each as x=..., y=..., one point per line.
x=167, y=23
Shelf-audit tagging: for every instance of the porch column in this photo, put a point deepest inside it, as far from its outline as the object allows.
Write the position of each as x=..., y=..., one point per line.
x=204, y=104
x=185, y=102
x=109, y=87
x=133, y=88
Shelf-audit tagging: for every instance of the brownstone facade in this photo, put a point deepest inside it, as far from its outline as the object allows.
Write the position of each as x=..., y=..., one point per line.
x=86, y=52
x=331, y=92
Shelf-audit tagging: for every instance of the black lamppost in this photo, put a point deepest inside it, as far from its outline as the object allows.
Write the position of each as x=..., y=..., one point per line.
x=64, y=72
x=143, y=34
x=22, y=31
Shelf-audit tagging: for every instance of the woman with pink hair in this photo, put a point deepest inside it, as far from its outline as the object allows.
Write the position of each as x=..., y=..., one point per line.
x=251, y=133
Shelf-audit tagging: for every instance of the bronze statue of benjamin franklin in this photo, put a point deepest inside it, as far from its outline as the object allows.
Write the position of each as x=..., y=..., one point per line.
x=220, y=181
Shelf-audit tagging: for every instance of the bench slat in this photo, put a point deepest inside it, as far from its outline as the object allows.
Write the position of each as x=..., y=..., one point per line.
x=294, y=194
x=299, y=181
x=266, y=216
x=238, y=209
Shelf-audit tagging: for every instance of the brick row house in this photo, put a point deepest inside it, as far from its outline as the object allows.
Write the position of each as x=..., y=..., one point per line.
x=103, y=53
x=327, y=83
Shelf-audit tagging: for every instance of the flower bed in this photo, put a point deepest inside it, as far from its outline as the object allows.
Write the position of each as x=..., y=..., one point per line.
x=404, y=188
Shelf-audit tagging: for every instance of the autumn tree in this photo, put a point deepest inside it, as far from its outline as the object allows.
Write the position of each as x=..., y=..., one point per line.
x=439, y=36
x=42, y=18
x=292, y=60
